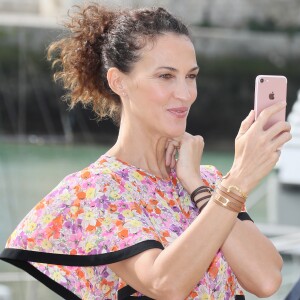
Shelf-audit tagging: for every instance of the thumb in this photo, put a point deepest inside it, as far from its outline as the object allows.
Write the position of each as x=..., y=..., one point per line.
x=246, y=124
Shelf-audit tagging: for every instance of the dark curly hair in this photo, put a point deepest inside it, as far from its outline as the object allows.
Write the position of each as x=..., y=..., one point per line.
x=99, y=38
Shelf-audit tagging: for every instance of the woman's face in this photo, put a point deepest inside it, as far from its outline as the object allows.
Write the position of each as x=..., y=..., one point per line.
x=162, y=86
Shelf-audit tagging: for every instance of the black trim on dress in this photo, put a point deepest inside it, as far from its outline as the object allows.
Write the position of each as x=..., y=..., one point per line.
x=44, y=279
x=140, y=298
x=79, y=260
x=126, y=292
x=22, y=258
x=244, y=216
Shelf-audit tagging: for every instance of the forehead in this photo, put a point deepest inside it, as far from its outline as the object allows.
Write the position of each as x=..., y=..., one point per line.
x=168, y=49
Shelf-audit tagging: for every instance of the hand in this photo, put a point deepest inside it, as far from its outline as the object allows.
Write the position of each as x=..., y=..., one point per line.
x=190, y=149
x=256, y=149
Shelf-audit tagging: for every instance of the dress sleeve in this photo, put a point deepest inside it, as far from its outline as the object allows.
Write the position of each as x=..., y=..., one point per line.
x=212, y=177
x=86, y=222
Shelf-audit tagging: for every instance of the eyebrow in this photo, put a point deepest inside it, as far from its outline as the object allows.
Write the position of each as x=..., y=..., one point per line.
x=175, y=70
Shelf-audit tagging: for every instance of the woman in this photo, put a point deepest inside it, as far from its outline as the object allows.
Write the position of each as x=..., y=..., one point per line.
x=144, y=221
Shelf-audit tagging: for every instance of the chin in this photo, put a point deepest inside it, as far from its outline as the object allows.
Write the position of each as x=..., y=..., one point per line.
x=176, y=132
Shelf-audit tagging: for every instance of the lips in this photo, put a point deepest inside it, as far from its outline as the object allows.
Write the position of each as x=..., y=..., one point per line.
x=179, y=112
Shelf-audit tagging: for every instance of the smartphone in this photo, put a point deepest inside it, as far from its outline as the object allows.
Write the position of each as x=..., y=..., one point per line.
x=270, y=89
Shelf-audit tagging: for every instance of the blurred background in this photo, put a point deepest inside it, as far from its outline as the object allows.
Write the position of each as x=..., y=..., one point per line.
x=41, y=141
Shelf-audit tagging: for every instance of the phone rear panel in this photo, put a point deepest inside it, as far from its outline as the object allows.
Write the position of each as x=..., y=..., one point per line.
x=270, y=89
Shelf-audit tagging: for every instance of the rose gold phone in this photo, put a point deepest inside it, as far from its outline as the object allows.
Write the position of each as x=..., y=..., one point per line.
x=270, y=89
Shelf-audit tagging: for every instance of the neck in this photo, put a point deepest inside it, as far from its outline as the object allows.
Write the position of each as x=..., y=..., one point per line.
x=141, y=149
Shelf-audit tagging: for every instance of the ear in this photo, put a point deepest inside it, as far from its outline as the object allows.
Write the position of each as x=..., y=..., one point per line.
x=115, y=80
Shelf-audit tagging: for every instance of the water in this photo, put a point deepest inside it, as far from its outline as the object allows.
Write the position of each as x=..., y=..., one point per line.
x=28, y=172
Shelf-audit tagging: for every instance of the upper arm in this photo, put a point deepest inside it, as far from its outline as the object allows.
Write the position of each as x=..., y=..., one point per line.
x=137, y=271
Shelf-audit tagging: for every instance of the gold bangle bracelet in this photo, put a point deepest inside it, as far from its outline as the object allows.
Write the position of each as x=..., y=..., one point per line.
x=226, y=203
x=234, y=187
x=222, y=205
x=232, y=203
x=232, y=195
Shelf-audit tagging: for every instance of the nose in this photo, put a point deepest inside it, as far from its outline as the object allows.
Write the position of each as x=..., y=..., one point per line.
x=183, y=90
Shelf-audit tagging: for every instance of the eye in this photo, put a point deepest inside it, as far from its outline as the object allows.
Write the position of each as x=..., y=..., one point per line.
x=192, y=76
x=166, y=76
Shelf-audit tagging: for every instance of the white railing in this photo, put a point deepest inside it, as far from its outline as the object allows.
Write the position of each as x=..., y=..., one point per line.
x=10, y=278
x=26, y=6
x=5, y=293
x=15, y=277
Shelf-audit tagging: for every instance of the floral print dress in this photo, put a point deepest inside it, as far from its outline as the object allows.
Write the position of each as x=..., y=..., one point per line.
x=108, y=212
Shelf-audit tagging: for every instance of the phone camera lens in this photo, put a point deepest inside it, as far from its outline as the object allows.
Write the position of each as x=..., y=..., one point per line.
x=262, y=80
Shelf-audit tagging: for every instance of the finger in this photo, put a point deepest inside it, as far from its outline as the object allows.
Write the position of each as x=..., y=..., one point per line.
x=167, y=144
x=280, y=140
x=278, y=128
x=175, y=156
x=175, y=142
x=173, y=162
x=169, y=152
x=246, y=123
x=268, y=112
x=276, y=155
x=168, y=157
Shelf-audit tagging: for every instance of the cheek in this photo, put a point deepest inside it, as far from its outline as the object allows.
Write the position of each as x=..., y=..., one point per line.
x=161, y=96
x=167, y=90
x=156, y=94
x=193, y=92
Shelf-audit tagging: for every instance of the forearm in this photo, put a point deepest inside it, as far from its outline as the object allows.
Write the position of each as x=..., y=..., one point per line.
x=187, y=259
x=253, y=258
x=183, y=262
